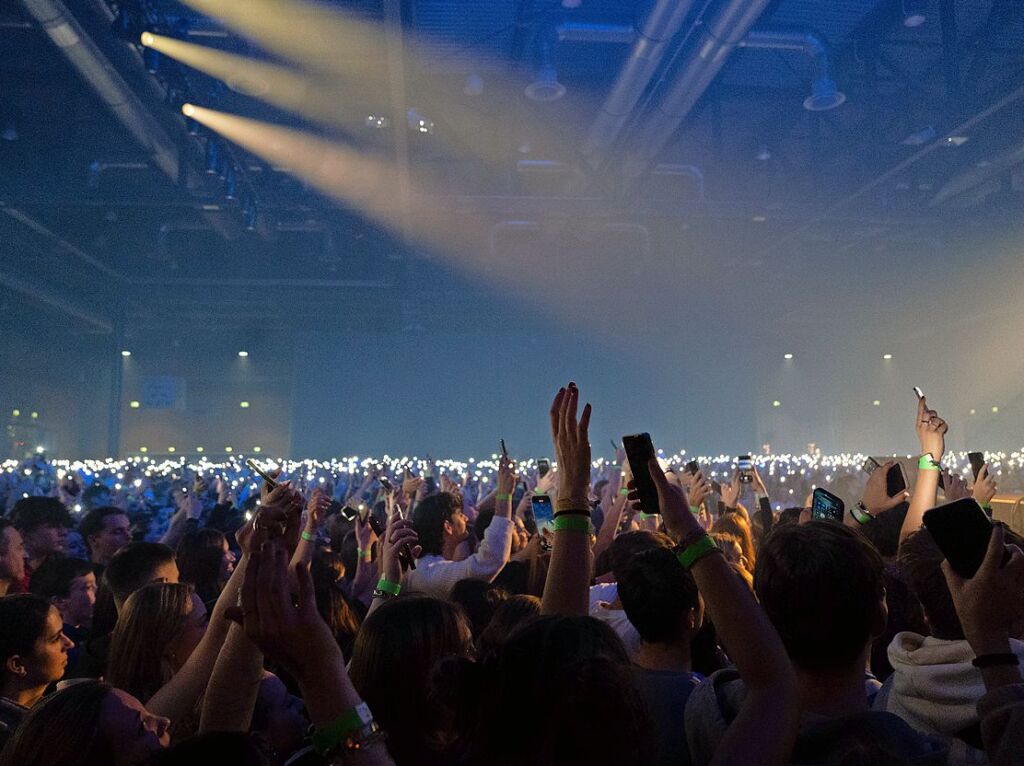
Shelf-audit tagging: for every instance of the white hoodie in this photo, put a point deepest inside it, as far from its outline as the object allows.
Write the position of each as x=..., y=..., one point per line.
x=934, y=688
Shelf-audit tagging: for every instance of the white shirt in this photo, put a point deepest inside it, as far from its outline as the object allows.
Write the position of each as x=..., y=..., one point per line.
x=435, y=575
x=601, y=598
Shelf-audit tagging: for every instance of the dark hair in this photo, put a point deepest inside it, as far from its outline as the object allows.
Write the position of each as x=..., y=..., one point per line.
x=133, y=566
x=820, y=584
x=920, y=563
x=4, y=523
x=884, y=530
x=483, y=520
x=199, y=556
x=53, y=578
x=735, y=524
x=152, y=617
x=656, y=592
x=394, y=654
x=576, y=665
x=30, y=513
x=429, y=517
x=627, y=545
x=478, y=599
x=228, y=748
x=789, y=516
x=92, y=522
x=509, y=615
x=63, y=728
x=327, y=571
x=22, y=623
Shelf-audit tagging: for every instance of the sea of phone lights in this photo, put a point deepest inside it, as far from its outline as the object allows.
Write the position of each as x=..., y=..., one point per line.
x=800, y=472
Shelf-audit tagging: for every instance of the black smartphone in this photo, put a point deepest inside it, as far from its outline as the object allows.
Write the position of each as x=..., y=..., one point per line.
x=870, y=466
x=825, y=505
x=977, y=462
x=919, y=392
x=639, y=450
x=405, y=555
x=746, y=466
x=962, y=531
x=543, y=512
x=504, y=452
x=693, y=467
x=615, y=447
x=543, y=466
x=386, y=483
x=271, y=483
x=895, y=480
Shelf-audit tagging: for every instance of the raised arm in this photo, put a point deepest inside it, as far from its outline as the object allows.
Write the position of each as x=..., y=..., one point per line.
x=398, y=533
x=931, y=434
x=234, y=685
x=316, y=511
x=567, y=587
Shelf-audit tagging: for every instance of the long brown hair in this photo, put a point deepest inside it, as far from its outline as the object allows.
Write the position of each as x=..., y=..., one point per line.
x=63, y=728
x=734, y=524
x=151, y=619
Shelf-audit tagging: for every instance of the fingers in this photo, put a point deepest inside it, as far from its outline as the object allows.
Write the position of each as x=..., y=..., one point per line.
x=555, y=413
x=954, y=581
x=996, y=546
x=569, y=406
x=304, y=580
x=922, y=408
x=584, y=425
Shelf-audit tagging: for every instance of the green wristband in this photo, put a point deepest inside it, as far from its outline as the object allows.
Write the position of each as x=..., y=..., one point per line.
x=927, y=463
x=502, y=496
x=307, y=536
x=388, y=587
x=644, y=516
x=572, y=522
x=624, y=491
x=348, y=723
x=695, y=509
x=697, y=550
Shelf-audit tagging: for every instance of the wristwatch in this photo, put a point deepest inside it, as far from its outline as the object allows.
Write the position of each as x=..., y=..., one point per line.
x=861, y=514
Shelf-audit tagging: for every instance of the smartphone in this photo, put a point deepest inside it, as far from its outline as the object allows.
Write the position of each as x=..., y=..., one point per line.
x=405, y=555
x=504, y=452
x=639, y=450
x=977, y=462
x=825, y=505
x=615, y=447
x=543, y=466
x=962, y=531
x=746, y=466
x=386, y=483
x=543, y=512
x=919, y=392
x=271, y=483
x=870, y=466
x=895, y=481
x=716, y=487
x=693, y=467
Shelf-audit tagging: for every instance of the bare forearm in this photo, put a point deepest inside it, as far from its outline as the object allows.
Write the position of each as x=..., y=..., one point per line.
x=234, y=685
x=923, y=499
x=612, y=518
x=362, y=583
x=566, y=589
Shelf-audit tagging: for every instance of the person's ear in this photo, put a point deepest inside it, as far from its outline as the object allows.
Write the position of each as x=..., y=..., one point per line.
x=448, y=528
x=15, y=666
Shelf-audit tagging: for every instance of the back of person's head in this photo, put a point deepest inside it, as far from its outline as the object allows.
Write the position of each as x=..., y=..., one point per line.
x=429, y=518
x=509, y=615
x=478, y=599
x=328, y=572
x=735, y=524
x=394, y=654
x=200, y=557
x=92, y=523
x=152, y=618
x=627, y=545
x=576, y=665
x=88, y=723
x=22, y=623
x=30, y=513
x=883, y=531
x=660, y=597
x=54, y=578
x=136, y=565
x=822, y=587
x=789, y=516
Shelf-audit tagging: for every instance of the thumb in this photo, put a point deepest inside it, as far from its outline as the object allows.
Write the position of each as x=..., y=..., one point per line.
x=954, y=581
x=994, y=554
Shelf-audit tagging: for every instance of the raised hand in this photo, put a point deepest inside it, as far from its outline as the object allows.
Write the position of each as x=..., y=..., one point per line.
x=280, y=514
x=411, y=485
x=572, y=445
x=985, y=487
x=731, y=491
x=680, y=523
x=698, y=490
x=506, y=484
x=955, y=486
x=876, y=494
x=399, y=533
x=316, y=509
x=931, y=430
x=546, y=482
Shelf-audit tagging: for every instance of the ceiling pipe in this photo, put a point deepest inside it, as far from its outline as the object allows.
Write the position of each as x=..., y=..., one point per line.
x=69, y=306
x=79, y=49
x=717, y=37
x=581, y=32
x=824, y=94
x=969, y=179
x=651, y=43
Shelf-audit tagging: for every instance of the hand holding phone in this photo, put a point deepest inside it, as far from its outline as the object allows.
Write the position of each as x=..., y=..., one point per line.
x=267, y=478
x=746, y=469
x=962, y=531
x=825, y=505
x=639, y=450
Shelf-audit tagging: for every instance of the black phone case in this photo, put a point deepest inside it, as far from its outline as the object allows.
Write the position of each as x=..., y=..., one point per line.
x=639, y=450
x=977, y=462
x=962, y=531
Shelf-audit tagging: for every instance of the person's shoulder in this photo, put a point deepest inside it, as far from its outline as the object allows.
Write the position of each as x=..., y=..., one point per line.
x=876, y=730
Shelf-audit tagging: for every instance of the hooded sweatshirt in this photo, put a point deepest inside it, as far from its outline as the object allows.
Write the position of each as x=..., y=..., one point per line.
x=713, y=705
x=934, y=686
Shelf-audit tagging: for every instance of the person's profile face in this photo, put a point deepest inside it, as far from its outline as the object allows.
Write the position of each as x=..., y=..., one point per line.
x=46, y=540
x=78, y=607
x=12, y=561
x=49, y=657
x=116, y=533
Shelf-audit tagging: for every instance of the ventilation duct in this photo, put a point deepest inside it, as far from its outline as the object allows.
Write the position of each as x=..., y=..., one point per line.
x=824, y=94
x=717, y=38
x=651, y=42
x=546, y=86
